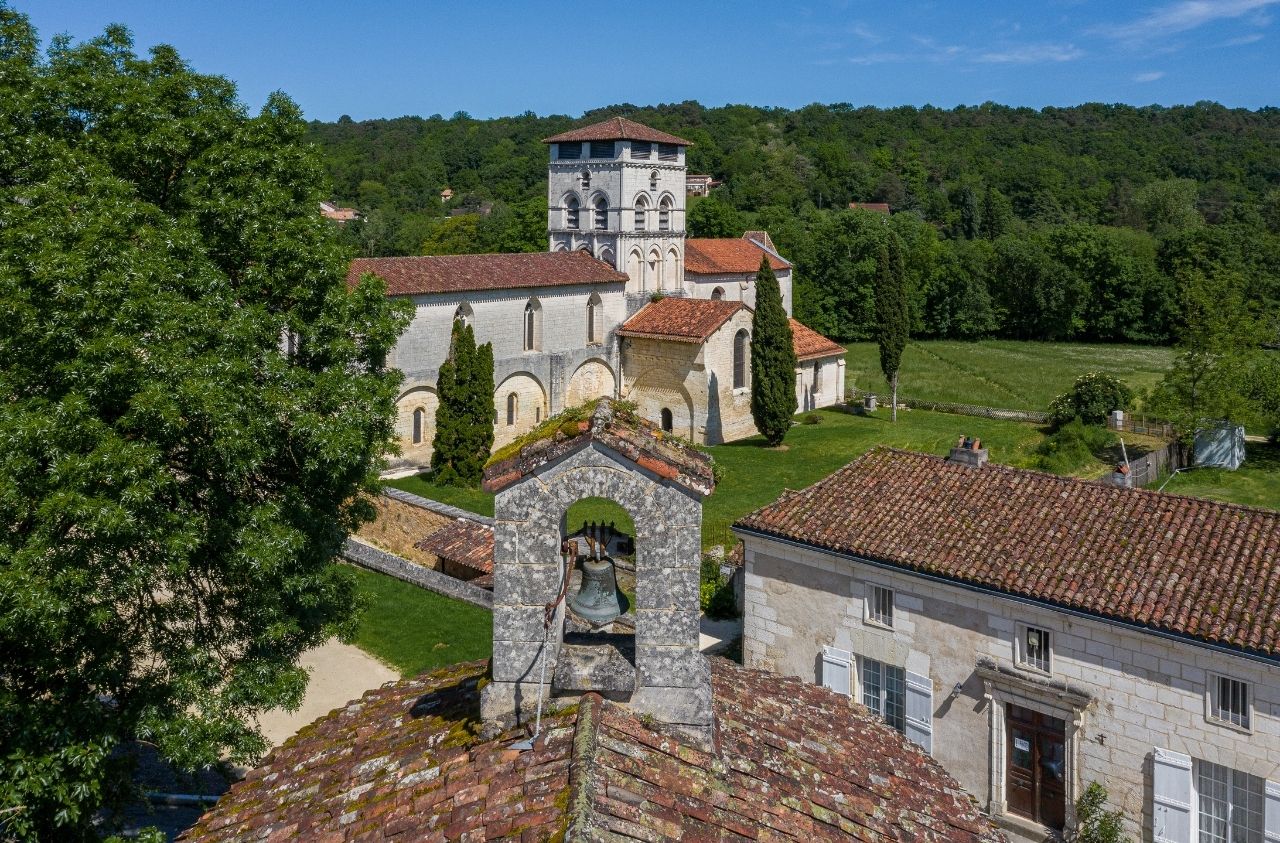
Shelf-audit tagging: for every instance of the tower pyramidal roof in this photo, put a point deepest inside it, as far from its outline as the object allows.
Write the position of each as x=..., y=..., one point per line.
x=616, y=128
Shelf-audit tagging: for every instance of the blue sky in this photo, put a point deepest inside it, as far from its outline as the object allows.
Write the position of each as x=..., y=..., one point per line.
x=386, y=59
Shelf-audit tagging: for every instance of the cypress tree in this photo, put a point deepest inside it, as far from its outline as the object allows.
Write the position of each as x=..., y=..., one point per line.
x=773, y=360
x=477, y=428
x=892, y=316
x=450, y=415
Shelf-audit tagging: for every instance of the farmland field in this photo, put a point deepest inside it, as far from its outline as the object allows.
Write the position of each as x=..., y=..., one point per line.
x=1002, y=373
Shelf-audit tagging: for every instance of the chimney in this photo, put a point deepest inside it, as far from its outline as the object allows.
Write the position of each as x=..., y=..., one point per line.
x=969, y=451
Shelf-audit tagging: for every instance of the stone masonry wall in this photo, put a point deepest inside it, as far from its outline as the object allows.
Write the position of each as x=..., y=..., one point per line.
x=1148, y=691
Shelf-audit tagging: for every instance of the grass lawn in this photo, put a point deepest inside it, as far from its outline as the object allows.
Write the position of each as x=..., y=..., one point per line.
x=1256, y=482
x=1002, y=373
x=413, y=629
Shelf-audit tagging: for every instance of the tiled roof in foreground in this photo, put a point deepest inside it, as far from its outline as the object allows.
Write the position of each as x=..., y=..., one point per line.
x=1175, y=564
x=794, y=761
x=616, y=128
x=680, y=319
x=464, y=273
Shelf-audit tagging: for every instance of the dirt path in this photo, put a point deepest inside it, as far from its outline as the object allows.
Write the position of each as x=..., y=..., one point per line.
x=339, y=673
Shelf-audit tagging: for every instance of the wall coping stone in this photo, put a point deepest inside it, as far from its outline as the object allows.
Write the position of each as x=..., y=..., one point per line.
x=374, y=559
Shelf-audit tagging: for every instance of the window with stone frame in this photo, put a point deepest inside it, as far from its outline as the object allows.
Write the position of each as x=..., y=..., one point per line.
x=1231, y=804
x=513, y=408
x=419, y=423
x=641, y=150
x=600, y=218
x=880, y=605
x=1033, y=648
x=668, y=152
x=884, y=691
x=642, y=213
x=571, y=213
x=1229, y=701
x=741, y=347
x=664, y=214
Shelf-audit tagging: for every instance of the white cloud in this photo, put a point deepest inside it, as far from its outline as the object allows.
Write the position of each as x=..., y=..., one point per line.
x=1183, y=16
x=1242, y=40
x=1149, y=76
x=1032, y=54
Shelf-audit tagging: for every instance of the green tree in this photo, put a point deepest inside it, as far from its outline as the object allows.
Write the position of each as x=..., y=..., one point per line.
x=1094, y=823
x=773, y=360
x=192, y=403
x=893, y=320
x=464, y=414
x=709, y=217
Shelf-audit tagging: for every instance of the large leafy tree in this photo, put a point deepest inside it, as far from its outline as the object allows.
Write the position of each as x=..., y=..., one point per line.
x=773, y=360
x=191, y=402
x=893, y=318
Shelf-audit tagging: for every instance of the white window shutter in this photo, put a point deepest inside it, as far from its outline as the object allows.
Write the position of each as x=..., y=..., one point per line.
x=836, y=671
x=1271, y=823
x=920, y=710
x=1171, y=797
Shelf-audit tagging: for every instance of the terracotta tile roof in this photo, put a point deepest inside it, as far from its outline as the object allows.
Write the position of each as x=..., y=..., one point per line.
x=877, y=207
x=726, y=255
x=761, y=237
x=809, y=344
x=680, y=319
x=462, y=273
x=1191, y=567
x=616, y=128
x=465, y=542
x=626, y=434
x=794, y=761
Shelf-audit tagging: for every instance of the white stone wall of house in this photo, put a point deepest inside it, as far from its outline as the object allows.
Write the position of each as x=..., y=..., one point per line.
x=565, y=366
x=736, y=287
x=1130, y=701
x=651, y=254
x=819, y=382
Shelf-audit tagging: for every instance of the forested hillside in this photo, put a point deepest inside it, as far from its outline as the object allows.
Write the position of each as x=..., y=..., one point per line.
x=1065, y=223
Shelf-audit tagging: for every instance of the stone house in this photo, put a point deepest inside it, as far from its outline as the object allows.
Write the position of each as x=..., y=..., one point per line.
x=616, y=229
x=1036, y=633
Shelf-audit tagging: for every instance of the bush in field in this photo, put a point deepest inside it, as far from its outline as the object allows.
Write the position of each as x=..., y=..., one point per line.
x=1072, y=447
x=1091, y=399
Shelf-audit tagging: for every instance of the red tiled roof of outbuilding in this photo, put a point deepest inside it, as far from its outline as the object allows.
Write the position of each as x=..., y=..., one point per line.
x=680, y=319
x=465, y=542
x=809, y=344
x=616, y=128
x=726, y=256
x=466, y=273
x=1174, y=564
x=792, y=761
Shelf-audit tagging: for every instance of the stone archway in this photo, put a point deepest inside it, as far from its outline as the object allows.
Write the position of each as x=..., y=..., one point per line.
x=593, y=379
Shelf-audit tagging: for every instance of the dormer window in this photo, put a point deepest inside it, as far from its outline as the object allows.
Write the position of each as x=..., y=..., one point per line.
x=602, y=149
x=641, y=150
x=668, y=152
x=568, y=151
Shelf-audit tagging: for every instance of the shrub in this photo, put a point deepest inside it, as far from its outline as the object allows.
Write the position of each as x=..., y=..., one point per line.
x=813, y=418
x=1092, y=397
x=1094, y=823
x=715, y=593
x=1072, y=447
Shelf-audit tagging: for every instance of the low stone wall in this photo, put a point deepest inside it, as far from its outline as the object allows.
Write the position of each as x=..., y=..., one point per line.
x=435, y=506
x=366, y=556
x=1001, y=413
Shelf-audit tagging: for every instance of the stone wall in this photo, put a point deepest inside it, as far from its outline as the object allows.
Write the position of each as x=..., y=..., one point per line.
x=367, y=556
x=671, y=677
x=820, y=383
x=1147, y=691
x=737, y=287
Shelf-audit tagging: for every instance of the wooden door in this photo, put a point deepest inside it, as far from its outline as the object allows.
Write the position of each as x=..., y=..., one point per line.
x=1035, y=782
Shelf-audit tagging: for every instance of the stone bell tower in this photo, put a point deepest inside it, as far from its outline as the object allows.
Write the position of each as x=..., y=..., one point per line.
x=616, y=189
x=661, y=485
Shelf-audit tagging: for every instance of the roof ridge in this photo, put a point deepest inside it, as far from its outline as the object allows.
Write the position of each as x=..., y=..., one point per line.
x=582, y=769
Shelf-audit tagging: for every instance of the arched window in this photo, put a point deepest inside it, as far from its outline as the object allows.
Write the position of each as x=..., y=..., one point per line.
x=671, y=269
x=664, y=214
x=532, y=326
x=586, y=179
x=642, y=213
x=667, y=423
x=513, y=409
x=653, y=180
x=601, y=219
x=419, y=419
x=717, y=294
x=635, y=269
x=595, y=320
x=741, y=341
x=464, y=314
x=655, y=268
x=571, y=213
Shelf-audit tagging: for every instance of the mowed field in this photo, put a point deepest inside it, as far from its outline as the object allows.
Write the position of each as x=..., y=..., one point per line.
x=1002, y=373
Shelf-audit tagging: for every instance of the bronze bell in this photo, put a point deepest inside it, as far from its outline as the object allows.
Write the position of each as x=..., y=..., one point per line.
x=597, y=597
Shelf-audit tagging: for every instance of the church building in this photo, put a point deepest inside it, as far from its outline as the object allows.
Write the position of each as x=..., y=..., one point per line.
x=622, y=304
